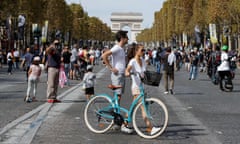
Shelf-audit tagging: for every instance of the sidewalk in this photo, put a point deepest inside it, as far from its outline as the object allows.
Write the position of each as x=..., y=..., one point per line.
x=24, y=129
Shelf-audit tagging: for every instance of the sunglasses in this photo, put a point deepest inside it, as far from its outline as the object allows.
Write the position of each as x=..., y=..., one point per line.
x=143, y=50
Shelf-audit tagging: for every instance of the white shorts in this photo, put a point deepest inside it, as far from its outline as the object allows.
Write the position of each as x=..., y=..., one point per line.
x=118, y=79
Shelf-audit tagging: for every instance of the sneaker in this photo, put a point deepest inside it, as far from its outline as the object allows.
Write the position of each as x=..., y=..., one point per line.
x=166, y=92
x=155, y=130
x=171, y=92
x=53, y=101
x=28, y=100
x=57, y=101
x=126, y=129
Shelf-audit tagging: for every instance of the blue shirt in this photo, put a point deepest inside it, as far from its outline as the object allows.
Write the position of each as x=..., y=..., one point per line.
x=28, y=58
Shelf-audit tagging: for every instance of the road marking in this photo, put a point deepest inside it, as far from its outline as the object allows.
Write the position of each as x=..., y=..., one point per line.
x=5, y=86
x=25, y=131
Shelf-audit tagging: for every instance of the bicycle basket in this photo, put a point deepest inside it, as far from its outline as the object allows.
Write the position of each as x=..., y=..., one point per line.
x=152, y=78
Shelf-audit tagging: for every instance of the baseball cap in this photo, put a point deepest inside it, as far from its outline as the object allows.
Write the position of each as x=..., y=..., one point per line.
x=37, y=58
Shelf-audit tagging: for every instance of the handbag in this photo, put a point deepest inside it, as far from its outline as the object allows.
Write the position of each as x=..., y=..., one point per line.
x=83, y=86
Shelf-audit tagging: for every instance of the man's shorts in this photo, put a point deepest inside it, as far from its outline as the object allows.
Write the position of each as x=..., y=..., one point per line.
x=89, y=91
x=118, y=79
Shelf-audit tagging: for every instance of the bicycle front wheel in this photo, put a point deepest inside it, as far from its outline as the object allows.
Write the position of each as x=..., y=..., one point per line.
x=150, y=122
x=98, y=114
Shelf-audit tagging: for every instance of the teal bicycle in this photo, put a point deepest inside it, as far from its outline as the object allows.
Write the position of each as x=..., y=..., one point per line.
x=103, y=111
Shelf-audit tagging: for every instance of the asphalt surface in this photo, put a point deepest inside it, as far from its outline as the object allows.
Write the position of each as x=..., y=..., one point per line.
x=199, y=113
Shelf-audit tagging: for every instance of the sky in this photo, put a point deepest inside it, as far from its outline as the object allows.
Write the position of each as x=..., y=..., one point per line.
x=103, y=8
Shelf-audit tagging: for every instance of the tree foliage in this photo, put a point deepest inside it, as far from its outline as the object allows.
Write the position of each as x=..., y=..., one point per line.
x=66, y=18
x=178, y=16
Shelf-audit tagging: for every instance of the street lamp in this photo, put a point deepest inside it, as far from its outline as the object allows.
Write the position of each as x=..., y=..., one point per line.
x=36, y=34
x=1, y=35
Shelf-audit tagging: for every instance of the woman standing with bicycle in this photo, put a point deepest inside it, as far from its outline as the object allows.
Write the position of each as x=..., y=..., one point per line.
x=148, y=115
x=137, y=66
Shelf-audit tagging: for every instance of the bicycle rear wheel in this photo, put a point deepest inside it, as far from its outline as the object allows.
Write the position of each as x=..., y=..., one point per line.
x=97, y=114
x=157, y=118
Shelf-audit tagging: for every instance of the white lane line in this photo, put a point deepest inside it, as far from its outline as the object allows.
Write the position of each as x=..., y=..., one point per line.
x=5, y=86
x=29, y=135
x=21, y=119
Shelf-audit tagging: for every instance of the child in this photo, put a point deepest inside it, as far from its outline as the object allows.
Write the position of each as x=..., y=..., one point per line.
x=34, y=74
x=89, y=81
x=62, y=76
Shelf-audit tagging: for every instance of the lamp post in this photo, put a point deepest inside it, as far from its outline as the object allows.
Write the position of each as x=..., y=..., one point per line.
x=36, y=34
x=1, y=36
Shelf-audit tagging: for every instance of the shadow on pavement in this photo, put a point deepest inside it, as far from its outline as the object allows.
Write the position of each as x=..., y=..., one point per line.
x=182, y=131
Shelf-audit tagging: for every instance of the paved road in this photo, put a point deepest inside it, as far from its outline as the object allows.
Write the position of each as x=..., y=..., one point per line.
x=199, y=113
x=12, y=92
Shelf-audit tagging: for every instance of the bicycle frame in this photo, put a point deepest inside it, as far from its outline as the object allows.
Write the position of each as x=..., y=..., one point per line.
x=117, y=108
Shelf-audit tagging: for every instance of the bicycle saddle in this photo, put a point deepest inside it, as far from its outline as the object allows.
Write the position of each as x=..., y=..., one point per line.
x=114, y=87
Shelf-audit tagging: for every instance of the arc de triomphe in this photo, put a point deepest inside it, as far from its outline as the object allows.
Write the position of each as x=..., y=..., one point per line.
x=129, y=19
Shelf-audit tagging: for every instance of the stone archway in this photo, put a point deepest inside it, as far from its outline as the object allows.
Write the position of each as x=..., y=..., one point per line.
x=130, y=19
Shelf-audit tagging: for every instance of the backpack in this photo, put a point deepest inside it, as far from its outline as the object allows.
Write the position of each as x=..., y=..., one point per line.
x=167, y=67
x=232, y=63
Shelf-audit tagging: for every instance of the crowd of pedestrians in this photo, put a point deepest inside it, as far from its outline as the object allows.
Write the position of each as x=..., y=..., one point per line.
x=194, y=60
x=164, y=60
x=60, y=63
x=64, y=64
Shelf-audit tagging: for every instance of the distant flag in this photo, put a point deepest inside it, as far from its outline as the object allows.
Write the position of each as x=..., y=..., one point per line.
x=197, y=34
x=185, y=38
x=21, y=24
x=213, y=33
x=44, y=32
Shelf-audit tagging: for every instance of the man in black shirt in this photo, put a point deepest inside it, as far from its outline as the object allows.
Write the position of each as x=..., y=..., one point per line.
x=54, y=61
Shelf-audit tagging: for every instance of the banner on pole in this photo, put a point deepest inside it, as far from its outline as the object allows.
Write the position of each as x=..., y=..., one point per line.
x=185, y=42
x=213, y=33
x=44, y=32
